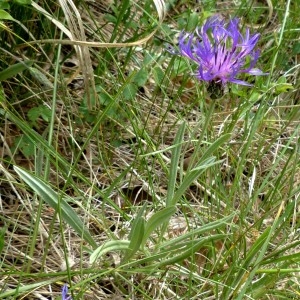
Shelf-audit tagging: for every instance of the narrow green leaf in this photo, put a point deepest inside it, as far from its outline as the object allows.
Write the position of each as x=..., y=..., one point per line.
x=23, y=2
x=122, y=12
x=51, y=198
x=136, y=238
x=193, y=175
x=189, y=249
x=116, y=181
x=2, y=234
x=205, y=162
x=176, y=152
x=198, y=231
x=280, y=256
x=213, y=147
x=255, y=249
x=172, y=244
x=136, y=220
x=253, y=256
x=108, y=247
x=136, y=234
x=41, y=78
x=15, y=69
x=157, y=220
x=2, y=94
x=22, y=289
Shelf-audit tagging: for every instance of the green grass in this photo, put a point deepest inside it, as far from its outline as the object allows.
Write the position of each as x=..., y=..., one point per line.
x=122, y=178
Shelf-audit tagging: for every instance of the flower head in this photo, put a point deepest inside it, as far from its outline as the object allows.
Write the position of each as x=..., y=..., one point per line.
x=64, y=293
x=220, y=51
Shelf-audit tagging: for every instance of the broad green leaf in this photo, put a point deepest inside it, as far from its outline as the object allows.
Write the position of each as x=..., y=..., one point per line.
x=4, y=5
x=137, y=220
x=136, y=234
x=25, y=145
x=120, y=245
x=15, y=69
x=39, y=111
x=130, y=91
x=148, y=58
x=140, y=78
x=110, y=18
x=283, y=88
x=296, y=48
x=193, y=21
x=159, y=75
x=4, y=15
x=51, y=198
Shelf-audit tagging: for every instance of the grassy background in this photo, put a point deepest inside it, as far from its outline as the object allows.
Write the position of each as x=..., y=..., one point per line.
x=122, y=177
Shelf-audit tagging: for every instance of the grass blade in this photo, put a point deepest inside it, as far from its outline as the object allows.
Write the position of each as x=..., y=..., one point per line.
x=174, y=164
x=15, y=69
x=136, y=238
x=157, y=220
x=51, y=198
x=108, y=247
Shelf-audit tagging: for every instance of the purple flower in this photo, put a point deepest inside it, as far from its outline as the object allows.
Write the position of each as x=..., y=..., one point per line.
x=220, y=51
x=64, y=293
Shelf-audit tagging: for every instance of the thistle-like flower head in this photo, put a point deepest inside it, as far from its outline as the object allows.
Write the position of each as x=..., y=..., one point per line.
x=220, y=50
x=64, y=293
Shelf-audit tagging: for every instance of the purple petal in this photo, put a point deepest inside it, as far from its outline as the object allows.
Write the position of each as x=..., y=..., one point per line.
x=64, y=293
x=220, y=50
x=241, y=82
x=257, y=72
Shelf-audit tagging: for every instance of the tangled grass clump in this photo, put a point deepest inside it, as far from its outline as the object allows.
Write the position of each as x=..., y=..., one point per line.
x=123, y=176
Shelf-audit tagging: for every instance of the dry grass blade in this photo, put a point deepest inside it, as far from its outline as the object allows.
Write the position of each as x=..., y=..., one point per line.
x=57, y=23
x=76, y=27
x=160, y=8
